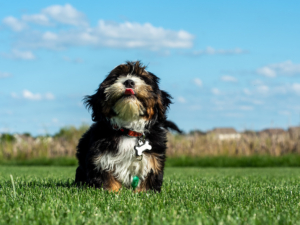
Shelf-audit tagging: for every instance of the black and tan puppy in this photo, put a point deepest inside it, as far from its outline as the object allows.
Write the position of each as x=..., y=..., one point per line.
x=128, y=139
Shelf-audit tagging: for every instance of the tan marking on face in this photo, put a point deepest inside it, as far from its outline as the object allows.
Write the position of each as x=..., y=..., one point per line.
x=150, y=113
x=143, y=91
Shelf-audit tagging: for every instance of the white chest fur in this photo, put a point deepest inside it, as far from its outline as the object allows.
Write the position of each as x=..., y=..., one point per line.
x=125, y=164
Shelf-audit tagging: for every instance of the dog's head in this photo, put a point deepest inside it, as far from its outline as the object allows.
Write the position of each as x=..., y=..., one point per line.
x=128, y=94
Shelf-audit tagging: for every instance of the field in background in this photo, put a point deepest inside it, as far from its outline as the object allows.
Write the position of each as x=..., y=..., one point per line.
x=46, y=195
x=194, y=149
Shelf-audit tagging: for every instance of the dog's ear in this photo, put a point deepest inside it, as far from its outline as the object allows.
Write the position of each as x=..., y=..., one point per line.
x=162, y=109
x=93, y=102
x=163, y=103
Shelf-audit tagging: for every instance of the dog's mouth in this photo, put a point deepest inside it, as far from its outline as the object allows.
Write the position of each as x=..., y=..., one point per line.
x=128, y=107
x=129, y=92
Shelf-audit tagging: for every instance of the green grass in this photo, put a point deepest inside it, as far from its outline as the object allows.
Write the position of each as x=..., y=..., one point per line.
x=59, y=161
x=229, y=161
x=215, y=161
x=46, y=195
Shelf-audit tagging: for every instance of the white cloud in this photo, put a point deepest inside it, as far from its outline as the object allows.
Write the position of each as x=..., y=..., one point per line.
x=181, y=100
x=26, y=94
x=296, y=88
x=76, y=60
x=114, y=35
x=266, y=71
x=4, y=75
x=274, y=90
x=49, y=96
x=283, y=68
x=263, y=89
x=40, y=19
x=215, y=91
x=211, y=51
x=228, y=79
x=104, y=34
x=14, y=24
x=198, y=82
x=17, y=54
x=29, y=95
x=66, y=14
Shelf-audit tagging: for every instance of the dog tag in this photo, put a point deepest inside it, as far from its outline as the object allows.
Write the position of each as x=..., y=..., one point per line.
x=135, y=182
x=141, y=147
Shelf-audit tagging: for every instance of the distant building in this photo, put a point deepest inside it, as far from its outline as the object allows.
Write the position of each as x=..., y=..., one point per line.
x=272, y=132
x=249, y=133
x=294, y=132
x=225, y=134
x=197, y=132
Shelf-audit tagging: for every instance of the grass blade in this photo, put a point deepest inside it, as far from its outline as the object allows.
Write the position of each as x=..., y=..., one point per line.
x=13, y=184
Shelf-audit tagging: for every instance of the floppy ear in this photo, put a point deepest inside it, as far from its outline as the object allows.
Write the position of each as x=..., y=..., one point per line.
x=93, y=102
x=164, y=101
x=162, y=117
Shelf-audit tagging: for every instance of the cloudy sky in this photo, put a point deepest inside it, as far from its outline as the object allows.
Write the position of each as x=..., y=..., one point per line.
x=226, y=63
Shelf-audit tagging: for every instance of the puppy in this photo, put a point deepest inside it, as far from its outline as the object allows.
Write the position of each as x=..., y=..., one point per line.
x=126, y=145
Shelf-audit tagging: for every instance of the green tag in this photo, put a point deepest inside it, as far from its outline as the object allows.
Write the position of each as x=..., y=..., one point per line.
x=135, y=182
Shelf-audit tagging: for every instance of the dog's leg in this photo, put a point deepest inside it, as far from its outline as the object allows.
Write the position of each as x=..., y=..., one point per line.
x=155, y=181
x=104, y=180
x=98, y=178
x=152, y=182
x=142, y=187
x=112, y=184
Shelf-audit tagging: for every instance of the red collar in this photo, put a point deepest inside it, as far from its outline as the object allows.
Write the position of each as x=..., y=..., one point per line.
x=128, y=132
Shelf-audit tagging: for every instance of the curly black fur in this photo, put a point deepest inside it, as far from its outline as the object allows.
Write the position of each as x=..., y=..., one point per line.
x=101, y=138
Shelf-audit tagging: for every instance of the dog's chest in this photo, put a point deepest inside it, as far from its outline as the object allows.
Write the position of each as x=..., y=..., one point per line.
x=124, y=166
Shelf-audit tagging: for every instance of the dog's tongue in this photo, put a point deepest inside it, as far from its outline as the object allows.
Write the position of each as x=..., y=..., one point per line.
x=129, y=91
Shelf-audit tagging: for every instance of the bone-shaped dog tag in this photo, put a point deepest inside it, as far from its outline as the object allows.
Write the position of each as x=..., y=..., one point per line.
x=142, y=147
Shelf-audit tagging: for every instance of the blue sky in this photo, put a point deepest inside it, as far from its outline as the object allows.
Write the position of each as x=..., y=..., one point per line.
x=226, y=63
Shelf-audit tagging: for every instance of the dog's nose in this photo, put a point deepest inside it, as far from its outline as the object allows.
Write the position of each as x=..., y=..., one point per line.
x=129, y=83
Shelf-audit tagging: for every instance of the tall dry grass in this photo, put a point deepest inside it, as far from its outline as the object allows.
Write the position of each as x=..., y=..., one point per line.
x=63, y=144
x=248, y=145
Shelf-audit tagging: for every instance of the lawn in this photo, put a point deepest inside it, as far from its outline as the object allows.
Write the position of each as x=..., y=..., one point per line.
x=46, y=195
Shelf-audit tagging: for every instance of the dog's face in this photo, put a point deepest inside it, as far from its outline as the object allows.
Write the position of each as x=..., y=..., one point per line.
x=129, y=93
